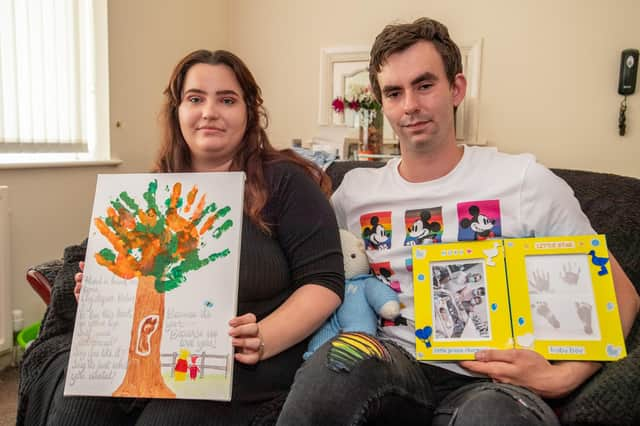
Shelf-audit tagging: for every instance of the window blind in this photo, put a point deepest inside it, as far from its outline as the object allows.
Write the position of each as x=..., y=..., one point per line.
x=45, y=75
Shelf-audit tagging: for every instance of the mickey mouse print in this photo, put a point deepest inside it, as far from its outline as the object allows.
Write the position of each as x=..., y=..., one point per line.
x=479, y=220
x=423, y=226
x=376, y=230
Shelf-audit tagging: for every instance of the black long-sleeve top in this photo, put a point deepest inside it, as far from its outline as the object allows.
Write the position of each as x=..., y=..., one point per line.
x=304, y=248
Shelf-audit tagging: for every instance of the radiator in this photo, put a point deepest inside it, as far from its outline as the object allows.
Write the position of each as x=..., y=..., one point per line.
x=6, y=329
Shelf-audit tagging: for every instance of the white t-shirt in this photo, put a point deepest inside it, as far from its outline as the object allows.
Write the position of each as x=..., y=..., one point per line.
x=487, y=195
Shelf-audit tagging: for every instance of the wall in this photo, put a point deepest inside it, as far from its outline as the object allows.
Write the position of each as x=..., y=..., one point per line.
x=548, y=80
x=51, y=207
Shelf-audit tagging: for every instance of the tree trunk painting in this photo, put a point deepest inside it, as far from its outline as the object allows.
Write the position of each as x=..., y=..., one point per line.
x=144, y=375
x=158, y=245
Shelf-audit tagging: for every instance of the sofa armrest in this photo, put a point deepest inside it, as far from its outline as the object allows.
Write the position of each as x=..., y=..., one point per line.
x=42, y=276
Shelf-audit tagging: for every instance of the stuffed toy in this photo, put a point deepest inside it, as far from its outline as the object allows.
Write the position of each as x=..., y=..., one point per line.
x=365, y=297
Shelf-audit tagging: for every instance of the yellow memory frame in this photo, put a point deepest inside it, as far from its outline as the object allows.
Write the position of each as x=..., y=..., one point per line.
x=490, y=254
x=611, y=345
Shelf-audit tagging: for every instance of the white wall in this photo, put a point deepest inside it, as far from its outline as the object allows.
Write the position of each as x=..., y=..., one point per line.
x=548, y=80
x=51, y=207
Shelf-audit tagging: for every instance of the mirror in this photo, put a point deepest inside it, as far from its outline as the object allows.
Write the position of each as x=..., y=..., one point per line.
x=343, y=68
x=337, y=64
x=350, y=83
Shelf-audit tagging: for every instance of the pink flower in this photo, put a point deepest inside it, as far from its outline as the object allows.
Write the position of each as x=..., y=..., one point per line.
x=338, y=105
x=354, y=105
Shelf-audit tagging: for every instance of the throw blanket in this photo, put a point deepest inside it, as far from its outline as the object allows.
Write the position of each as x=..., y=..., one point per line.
x=56, y=330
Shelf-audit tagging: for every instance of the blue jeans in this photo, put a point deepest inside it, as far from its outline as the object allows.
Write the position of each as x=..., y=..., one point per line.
x=365, y=381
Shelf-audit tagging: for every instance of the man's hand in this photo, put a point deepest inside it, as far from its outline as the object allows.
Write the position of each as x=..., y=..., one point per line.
x=529, y=369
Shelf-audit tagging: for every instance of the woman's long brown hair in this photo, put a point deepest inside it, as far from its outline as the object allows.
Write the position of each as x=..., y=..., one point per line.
x=255, y=150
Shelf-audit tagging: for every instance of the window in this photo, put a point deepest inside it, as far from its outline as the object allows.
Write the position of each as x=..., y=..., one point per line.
x=54, y=102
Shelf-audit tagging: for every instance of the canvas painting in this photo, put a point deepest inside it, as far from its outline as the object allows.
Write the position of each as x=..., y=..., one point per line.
x=160, y=285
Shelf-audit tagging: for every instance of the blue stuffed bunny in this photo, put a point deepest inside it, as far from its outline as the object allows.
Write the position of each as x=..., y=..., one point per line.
x=365, y=297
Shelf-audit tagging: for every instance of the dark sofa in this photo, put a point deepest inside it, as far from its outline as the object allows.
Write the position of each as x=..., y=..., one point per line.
x=612, y=203
x=610, y=397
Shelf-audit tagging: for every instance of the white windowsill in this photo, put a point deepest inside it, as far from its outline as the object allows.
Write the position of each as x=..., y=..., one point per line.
x=62, y=163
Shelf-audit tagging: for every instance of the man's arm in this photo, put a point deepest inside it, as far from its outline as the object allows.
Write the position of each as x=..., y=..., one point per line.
x=628, y=299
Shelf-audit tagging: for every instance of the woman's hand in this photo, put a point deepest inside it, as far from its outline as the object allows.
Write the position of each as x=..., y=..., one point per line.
x=78, y=279
x=531, y=370
x=246, y=338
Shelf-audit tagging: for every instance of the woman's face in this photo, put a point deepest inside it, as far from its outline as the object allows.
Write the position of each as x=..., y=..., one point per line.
x=212, y=115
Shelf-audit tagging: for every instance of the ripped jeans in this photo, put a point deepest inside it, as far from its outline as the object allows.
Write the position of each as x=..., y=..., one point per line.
x=359, y=380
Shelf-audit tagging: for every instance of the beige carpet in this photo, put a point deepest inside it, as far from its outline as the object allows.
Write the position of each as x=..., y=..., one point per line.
x=8, y=396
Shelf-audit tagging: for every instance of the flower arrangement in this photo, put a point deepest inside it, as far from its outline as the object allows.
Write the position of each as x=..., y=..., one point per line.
x=367, y=108
x=360, y=99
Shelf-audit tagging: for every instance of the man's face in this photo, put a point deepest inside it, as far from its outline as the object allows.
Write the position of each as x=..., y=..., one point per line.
x=417, y=98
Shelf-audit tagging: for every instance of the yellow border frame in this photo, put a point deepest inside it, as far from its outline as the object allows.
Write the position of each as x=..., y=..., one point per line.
x=495, y=280
x=611, y=346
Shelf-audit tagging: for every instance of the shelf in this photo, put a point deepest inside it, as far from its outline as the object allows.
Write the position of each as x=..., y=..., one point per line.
x=362, y=156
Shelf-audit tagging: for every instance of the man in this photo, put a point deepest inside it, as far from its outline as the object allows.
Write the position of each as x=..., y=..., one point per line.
x=416, y=73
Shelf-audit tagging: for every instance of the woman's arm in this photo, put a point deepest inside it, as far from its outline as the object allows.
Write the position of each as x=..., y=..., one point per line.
x=306, y=230
x=299, y=316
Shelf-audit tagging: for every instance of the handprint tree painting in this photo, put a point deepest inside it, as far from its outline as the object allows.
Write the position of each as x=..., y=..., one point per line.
x=164, y=234
x=158, y=248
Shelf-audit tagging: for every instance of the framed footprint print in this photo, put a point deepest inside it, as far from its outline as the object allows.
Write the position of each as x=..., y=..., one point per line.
x=553, y=295
x=562, y=296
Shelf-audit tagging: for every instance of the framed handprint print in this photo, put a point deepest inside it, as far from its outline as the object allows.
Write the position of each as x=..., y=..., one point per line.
x=563, y=301
x=553, y=295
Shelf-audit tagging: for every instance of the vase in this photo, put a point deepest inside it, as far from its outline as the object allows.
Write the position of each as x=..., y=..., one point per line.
x=371, y=140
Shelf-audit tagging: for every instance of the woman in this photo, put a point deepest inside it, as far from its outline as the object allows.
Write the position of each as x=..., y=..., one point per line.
x=291, y=270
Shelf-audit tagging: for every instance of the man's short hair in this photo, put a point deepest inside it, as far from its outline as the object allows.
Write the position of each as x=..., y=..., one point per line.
x=398, y=37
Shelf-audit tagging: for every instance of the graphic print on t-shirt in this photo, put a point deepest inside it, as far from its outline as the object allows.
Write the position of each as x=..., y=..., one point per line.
x=376, y=230
x=383, y=271
x=424, y=226
x=479, y=220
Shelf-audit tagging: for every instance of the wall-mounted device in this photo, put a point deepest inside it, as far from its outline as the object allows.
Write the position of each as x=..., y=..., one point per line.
x=627, y=83
x=628, y=71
